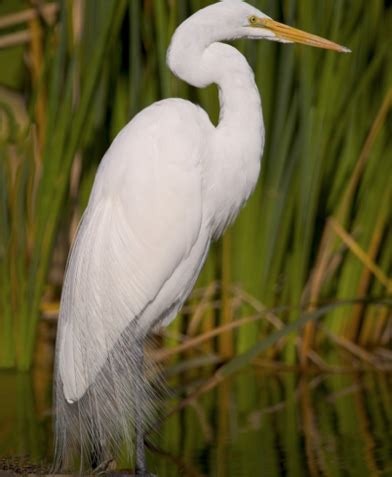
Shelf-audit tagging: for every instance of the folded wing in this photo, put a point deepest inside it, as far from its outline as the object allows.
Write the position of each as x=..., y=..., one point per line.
x=143, y=218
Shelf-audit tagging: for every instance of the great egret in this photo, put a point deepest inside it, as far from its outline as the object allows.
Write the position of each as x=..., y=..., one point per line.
x=169, y=184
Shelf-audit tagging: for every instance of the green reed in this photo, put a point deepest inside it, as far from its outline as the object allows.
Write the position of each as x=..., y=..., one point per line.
x=328, y=155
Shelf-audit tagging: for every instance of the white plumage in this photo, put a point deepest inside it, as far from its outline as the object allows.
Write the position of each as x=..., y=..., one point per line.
x=144, y=221
x=168, y=185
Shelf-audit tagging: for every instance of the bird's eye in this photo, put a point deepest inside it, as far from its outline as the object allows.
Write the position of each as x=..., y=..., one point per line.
x=252, y=19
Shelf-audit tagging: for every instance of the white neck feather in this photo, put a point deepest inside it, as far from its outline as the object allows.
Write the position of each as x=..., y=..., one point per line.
x=197, y=57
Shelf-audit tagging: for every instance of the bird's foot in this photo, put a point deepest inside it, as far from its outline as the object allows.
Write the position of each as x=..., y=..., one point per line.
x=124, y=474
x=143, y=474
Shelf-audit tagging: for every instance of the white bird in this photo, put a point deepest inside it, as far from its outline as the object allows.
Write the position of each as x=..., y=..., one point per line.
x=170, y=183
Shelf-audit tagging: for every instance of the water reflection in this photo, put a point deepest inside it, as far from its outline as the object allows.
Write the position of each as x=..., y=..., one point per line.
x=254, y=425
x=268, y=425
x=24, y=428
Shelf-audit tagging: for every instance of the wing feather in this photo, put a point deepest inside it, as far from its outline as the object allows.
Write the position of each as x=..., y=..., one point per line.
x=143, y=218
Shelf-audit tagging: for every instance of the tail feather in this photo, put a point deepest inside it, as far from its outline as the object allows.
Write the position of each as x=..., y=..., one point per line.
x=95, y=428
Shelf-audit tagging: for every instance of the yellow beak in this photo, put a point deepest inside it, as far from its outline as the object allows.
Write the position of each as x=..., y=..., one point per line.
x=288, y=33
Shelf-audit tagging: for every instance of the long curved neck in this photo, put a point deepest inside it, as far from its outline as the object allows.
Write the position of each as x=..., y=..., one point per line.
x=238, y=140
x=239, y=97
x=201, y=63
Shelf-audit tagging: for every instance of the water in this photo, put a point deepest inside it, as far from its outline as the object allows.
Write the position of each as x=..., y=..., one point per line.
x=257, y=424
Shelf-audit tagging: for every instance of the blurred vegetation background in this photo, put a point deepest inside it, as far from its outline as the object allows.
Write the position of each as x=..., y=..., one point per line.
x=315, y=238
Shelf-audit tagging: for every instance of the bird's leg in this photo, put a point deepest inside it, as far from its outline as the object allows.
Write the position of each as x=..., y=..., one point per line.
x=96, y=454
x=139, y=397
x=139, y=400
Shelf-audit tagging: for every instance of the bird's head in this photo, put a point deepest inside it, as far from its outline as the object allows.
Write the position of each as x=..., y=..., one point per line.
x=233, y=19
x=228, y=20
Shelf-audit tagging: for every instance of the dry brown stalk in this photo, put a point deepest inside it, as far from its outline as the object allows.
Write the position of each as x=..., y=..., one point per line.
x=201, y=308
x=192, y=343
x=15, y=39
x=361, y=254
x=366, y=275
x=316, y=282
x=353, y=388
x=364, y=156
x=48, y=12
x=352, y=348
x=269, y=316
